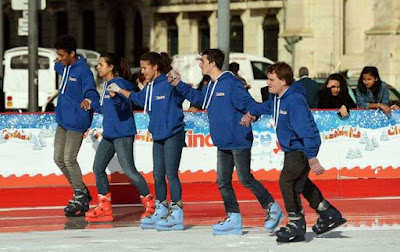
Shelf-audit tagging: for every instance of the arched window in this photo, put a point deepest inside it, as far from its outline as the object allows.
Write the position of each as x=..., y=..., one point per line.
x=119, y=34
x=172, y=37
x=204, y=34
x=88, y=20
x=271, y=32
x=236, y=34
x=62, y=23
x=137, y=39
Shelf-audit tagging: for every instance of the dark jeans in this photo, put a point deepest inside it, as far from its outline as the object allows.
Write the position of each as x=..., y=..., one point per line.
x=67, y=144
x=294, y=181
x=226, y=160
x=105, y=152
x=166, y=158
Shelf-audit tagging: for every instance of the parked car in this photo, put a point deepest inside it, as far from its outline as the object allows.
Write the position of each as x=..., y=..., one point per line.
x=251, y=67
x=15, y=85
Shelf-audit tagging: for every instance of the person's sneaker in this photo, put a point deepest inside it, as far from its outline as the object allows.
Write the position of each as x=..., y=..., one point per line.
x=329, y=218
x=232, y=224
x=173, y=220
x=294, y=230
x=102, y=212
x=149, y=222
x=274, y=217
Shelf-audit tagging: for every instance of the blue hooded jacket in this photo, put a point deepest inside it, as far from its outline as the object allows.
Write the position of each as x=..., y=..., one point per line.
x=163, y=103
x=118, y=118
x=295, y=126
x=226, y=101
x=77, y=84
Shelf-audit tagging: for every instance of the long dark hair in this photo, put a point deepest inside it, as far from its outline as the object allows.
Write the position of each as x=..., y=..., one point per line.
x=373, y=71
x=162, y=60
x=121, y=67
x=342, y=81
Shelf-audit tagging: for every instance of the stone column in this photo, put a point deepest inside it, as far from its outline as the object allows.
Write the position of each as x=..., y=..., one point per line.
x=213, y=21
x=253, y=34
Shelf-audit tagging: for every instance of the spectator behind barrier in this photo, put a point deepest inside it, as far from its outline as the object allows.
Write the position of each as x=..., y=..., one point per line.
x=311, y=87
x=334, y=94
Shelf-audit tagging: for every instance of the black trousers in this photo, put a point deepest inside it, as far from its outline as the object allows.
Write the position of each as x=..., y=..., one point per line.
x=294, y=181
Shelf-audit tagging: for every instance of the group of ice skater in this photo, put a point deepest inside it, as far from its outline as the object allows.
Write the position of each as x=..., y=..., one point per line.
x=230, y=110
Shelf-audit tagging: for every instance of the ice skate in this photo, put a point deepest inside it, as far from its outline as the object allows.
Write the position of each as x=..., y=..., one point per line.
x=274, y=217
x=102, y=212
x=173, y=220
x=149, y=222
x=149, y=205
x=294, y=230
x=329, y=219
x=78, y=205
x=232, y=225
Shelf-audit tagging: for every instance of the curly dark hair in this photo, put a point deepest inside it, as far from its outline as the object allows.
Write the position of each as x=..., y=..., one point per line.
x=67, y=43
x=283, y=71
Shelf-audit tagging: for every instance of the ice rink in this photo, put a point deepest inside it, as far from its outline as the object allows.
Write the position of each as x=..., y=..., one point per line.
x=373, y=225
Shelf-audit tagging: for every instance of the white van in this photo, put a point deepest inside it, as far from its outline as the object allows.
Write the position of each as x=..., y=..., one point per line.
x=252, y=69
x=16, y=82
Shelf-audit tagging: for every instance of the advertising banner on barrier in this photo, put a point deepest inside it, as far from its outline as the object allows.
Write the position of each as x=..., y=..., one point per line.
x=363, y=145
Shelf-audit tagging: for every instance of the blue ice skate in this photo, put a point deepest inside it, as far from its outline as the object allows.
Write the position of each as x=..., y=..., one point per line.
x=273, y=218
x=231, y=225
x=150, y=222
x=173, y=220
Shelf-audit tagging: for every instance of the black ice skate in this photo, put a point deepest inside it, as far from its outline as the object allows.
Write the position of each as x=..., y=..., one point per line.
x=329, y=218
x=294, y=231
x=78, y=205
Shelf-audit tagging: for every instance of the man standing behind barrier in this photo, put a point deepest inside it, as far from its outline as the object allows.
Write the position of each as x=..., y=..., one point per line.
x=299, y=138
x=311, y=86
x=226, y=102
x=73, y=116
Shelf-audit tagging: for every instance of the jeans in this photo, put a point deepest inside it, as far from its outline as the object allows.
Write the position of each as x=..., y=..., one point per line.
x=166, y=158
x=294, y=181
x=105, y=152
x=226, y=161
x=66, y=147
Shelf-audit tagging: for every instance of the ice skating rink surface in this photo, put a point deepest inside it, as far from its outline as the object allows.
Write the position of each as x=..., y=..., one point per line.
x=373, y=225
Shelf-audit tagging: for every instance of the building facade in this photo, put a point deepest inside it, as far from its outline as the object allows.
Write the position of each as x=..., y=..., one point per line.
x=324, y=35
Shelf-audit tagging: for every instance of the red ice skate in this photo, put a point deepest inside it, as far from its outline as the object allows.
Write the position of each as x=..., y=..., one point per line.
x=149, y=205
x=102, y=212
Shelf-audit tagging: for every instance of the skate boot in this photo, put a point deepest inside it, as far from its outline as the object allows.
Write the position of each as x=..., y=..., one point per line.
x=274, y=217
x=78, y=205
x=149, y=222
x=102, y=212
x=70, y=203
x=329, y=218
x=149, y=205
x=294, y=231
x=173, y=220
x=231, y=225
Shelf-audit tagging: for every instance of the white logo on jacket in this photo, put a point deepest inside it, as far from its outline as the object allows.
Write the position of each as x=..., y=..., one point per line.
x=282, y=112
x=160, y=97
x=220, y=94
x=71, y=79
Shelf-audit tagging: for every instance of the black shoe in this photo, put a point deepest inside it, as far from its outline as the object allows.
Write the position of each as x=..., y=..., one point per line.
x=329, y=219
x=294, y=231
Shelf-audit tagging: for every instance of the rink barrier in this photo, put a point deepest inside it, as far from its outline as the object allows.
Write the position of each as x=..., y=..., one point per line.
x=359, y=154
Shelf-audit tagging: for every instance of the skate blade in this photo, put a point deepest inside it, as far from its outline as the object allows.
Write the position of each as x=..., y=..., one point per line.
x=99, y=219
x=282, y=240
x=228, y=232
x=168, y=228
x=147, y=226
x=76, y=214
x=337, y=224
x=271, y=230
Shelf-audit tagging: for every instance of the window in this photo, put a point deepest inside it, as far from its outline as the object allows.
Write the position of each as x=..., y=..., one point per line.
x=172, y=37
x=259, y=70
x=21, y=62
x=271, y=31
x=88, y=29
x=204, y=34
x=62, y=23
x=236, y=34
